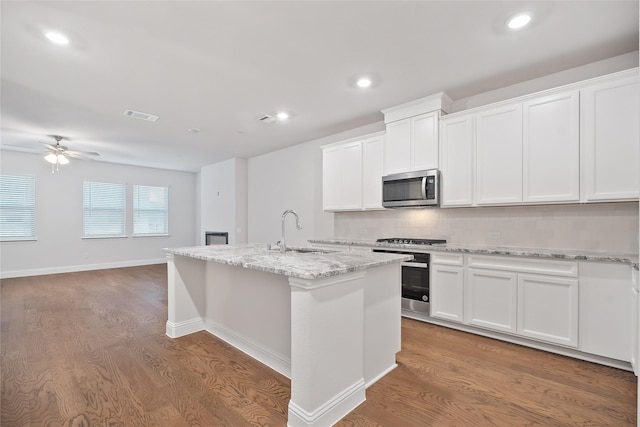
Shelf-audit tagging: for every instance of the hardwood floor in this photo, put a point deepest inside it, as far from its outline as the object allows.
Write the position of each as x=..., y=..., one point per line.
x=89, y=349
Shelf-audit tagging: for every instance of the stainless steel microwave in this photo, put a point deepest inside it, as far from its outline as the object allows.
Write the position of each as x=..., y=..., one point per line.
x=411, y=189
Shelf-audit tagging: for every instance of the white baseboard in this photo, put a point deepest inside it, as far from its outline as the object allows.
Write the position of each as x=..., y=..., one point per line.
x=330, y=412
x=381, y=374
x=75, y=268
x=569, y=352
x=264, y=355
x=180, y=329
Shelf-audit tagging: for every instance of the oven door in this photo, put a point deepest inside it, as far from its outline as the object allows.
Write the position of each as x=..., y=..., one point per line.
x=415, y=281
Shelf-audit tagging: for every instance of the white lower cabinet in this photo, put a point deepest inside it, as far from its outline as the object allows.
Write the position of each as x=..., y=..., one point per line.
x=590, y=308
x=491, y=298
x=548, y=309
x=447, y=290
x=606, y=310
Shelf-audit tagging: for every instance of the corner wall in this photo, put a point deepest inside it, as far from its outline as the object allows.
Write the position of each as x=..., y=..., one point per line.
x=291, y=178
x=223, y=199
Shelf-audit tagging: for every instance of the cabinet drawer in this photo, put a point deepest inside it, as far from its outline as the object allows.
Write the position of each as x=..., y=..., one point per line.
x=447, y=258
x=524, y=265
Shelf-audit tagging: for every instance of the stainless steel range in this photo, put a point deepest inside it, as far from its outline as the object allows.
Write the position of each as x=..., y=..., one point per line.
x=415, y=273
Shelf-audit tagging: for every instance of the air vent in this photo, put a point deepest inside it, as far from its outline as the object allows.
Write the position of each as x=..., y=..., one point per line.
x=268, y=119
x=140, y=115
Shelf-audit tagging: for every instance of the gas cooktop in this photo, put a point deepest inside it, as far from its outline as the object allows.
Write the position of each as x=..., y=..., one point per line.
x=410, y=241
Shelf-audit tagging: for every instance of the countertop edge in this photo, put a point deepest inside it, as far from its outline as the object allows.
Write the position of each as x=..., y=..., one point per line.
x=566, y=254
x=284, y=268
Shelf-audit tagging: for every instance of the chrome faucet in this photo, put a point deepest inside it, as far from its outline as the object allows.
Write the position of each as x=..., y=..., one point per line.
x=283, y=245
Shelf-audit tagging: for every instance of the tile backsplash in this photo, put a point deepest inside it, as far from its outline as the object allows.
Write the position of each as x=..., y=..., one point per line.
x=598, y=226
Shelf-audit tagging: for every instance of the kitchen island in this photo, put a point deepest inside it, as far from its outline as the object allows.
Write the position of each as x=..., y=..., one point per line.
x=329, y=321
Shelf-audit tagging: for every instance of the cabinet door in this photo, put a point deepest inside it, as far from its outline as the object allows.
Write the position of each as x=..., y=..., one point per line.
x=456, y=161
x=606, y=310
x=548, y=309
x=397, y=147
x=424, y=141
x=331, y=178
x=491, y=299
x=372, y=161
x=446, y=288
x=609, y=116
x=499, y=155
x=551, y=145
x=351, y=172
x=634, y=331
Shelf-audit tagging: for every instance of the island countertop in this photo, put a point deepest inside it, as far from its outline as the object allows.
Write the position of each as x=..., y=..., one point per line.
x=308, y=265
x=567, y=254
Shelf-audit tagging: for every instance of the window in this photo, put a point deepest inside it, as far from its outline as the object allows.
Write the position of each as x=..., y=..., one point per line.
x=103, y=209
x=17, y=207
x=150, y=211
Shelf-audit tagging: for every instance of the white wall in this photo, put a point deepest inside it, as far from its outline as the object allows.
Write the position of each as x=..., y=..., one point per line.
x=291, y=178
x=60, y=247
x=584, y=72
x=223, y=199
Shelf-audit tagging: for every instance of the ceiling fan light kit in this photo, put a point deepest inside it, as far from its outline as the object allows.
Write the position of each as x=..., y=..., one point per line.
x=58, y=154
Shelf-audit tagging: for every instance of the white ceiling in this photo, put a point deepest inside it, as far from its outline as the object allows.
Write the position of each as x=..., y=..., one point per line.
x=219, y=66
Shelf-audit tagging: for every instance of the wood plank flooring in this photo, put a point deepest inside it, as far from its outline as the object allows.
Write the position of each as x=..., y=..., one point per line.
x=89, y=349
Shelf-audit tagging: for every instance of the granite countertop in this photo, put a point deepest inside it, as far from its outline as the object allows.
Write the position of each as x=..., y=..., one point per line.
x=568, y=254
x=312, y=265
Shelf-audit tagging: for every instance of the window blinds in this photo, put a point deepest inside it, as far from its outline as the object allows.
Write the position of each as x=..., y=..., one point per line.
x=150, y=211
x=104, y=209
x=17, y=207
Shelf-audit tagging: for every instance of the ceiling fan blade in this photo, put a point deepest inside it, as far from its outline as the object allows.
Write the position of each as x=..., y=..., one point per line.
x=25, y=148
x=81, y=153
x=49, y=146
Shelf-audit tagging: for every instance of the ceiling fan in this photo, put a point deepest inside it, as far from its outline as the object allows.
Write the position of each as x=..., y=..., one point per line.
x=57, y=154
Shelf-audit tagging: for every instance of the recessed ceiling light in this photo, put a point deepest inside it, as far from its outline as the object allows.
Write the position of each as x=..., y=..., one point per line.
x=282, y=115
x=364, y=82
x=57, y=38
x=519, y=21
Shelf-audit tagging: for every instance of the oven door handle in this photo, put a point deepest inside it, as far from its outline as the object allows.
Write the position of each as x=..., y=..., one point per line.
x=415, y=264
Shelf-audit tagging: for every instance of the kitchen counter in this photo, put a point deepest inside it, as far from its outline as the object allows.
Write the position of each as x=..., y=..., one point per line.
x=328, y=320
x=569, y=254
x=304, y=265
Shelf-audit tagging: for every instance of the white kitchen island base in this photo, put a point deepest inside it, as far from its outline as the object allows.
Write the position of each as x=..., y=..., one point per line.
x=332, y=336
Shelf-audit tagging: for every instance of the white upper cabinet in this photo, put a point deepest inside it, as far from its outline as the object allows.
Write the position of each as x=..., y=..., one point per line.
x=611, y=140
x=576, y=143
x=342, y=177
x=397, y=147
x=411, y=142
x=352, y=174
x=457, y=163
x=351, y=170
x=499, y=155
x=372, y=170
x=331, y=178
x=424, y=141
x=551, y=149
